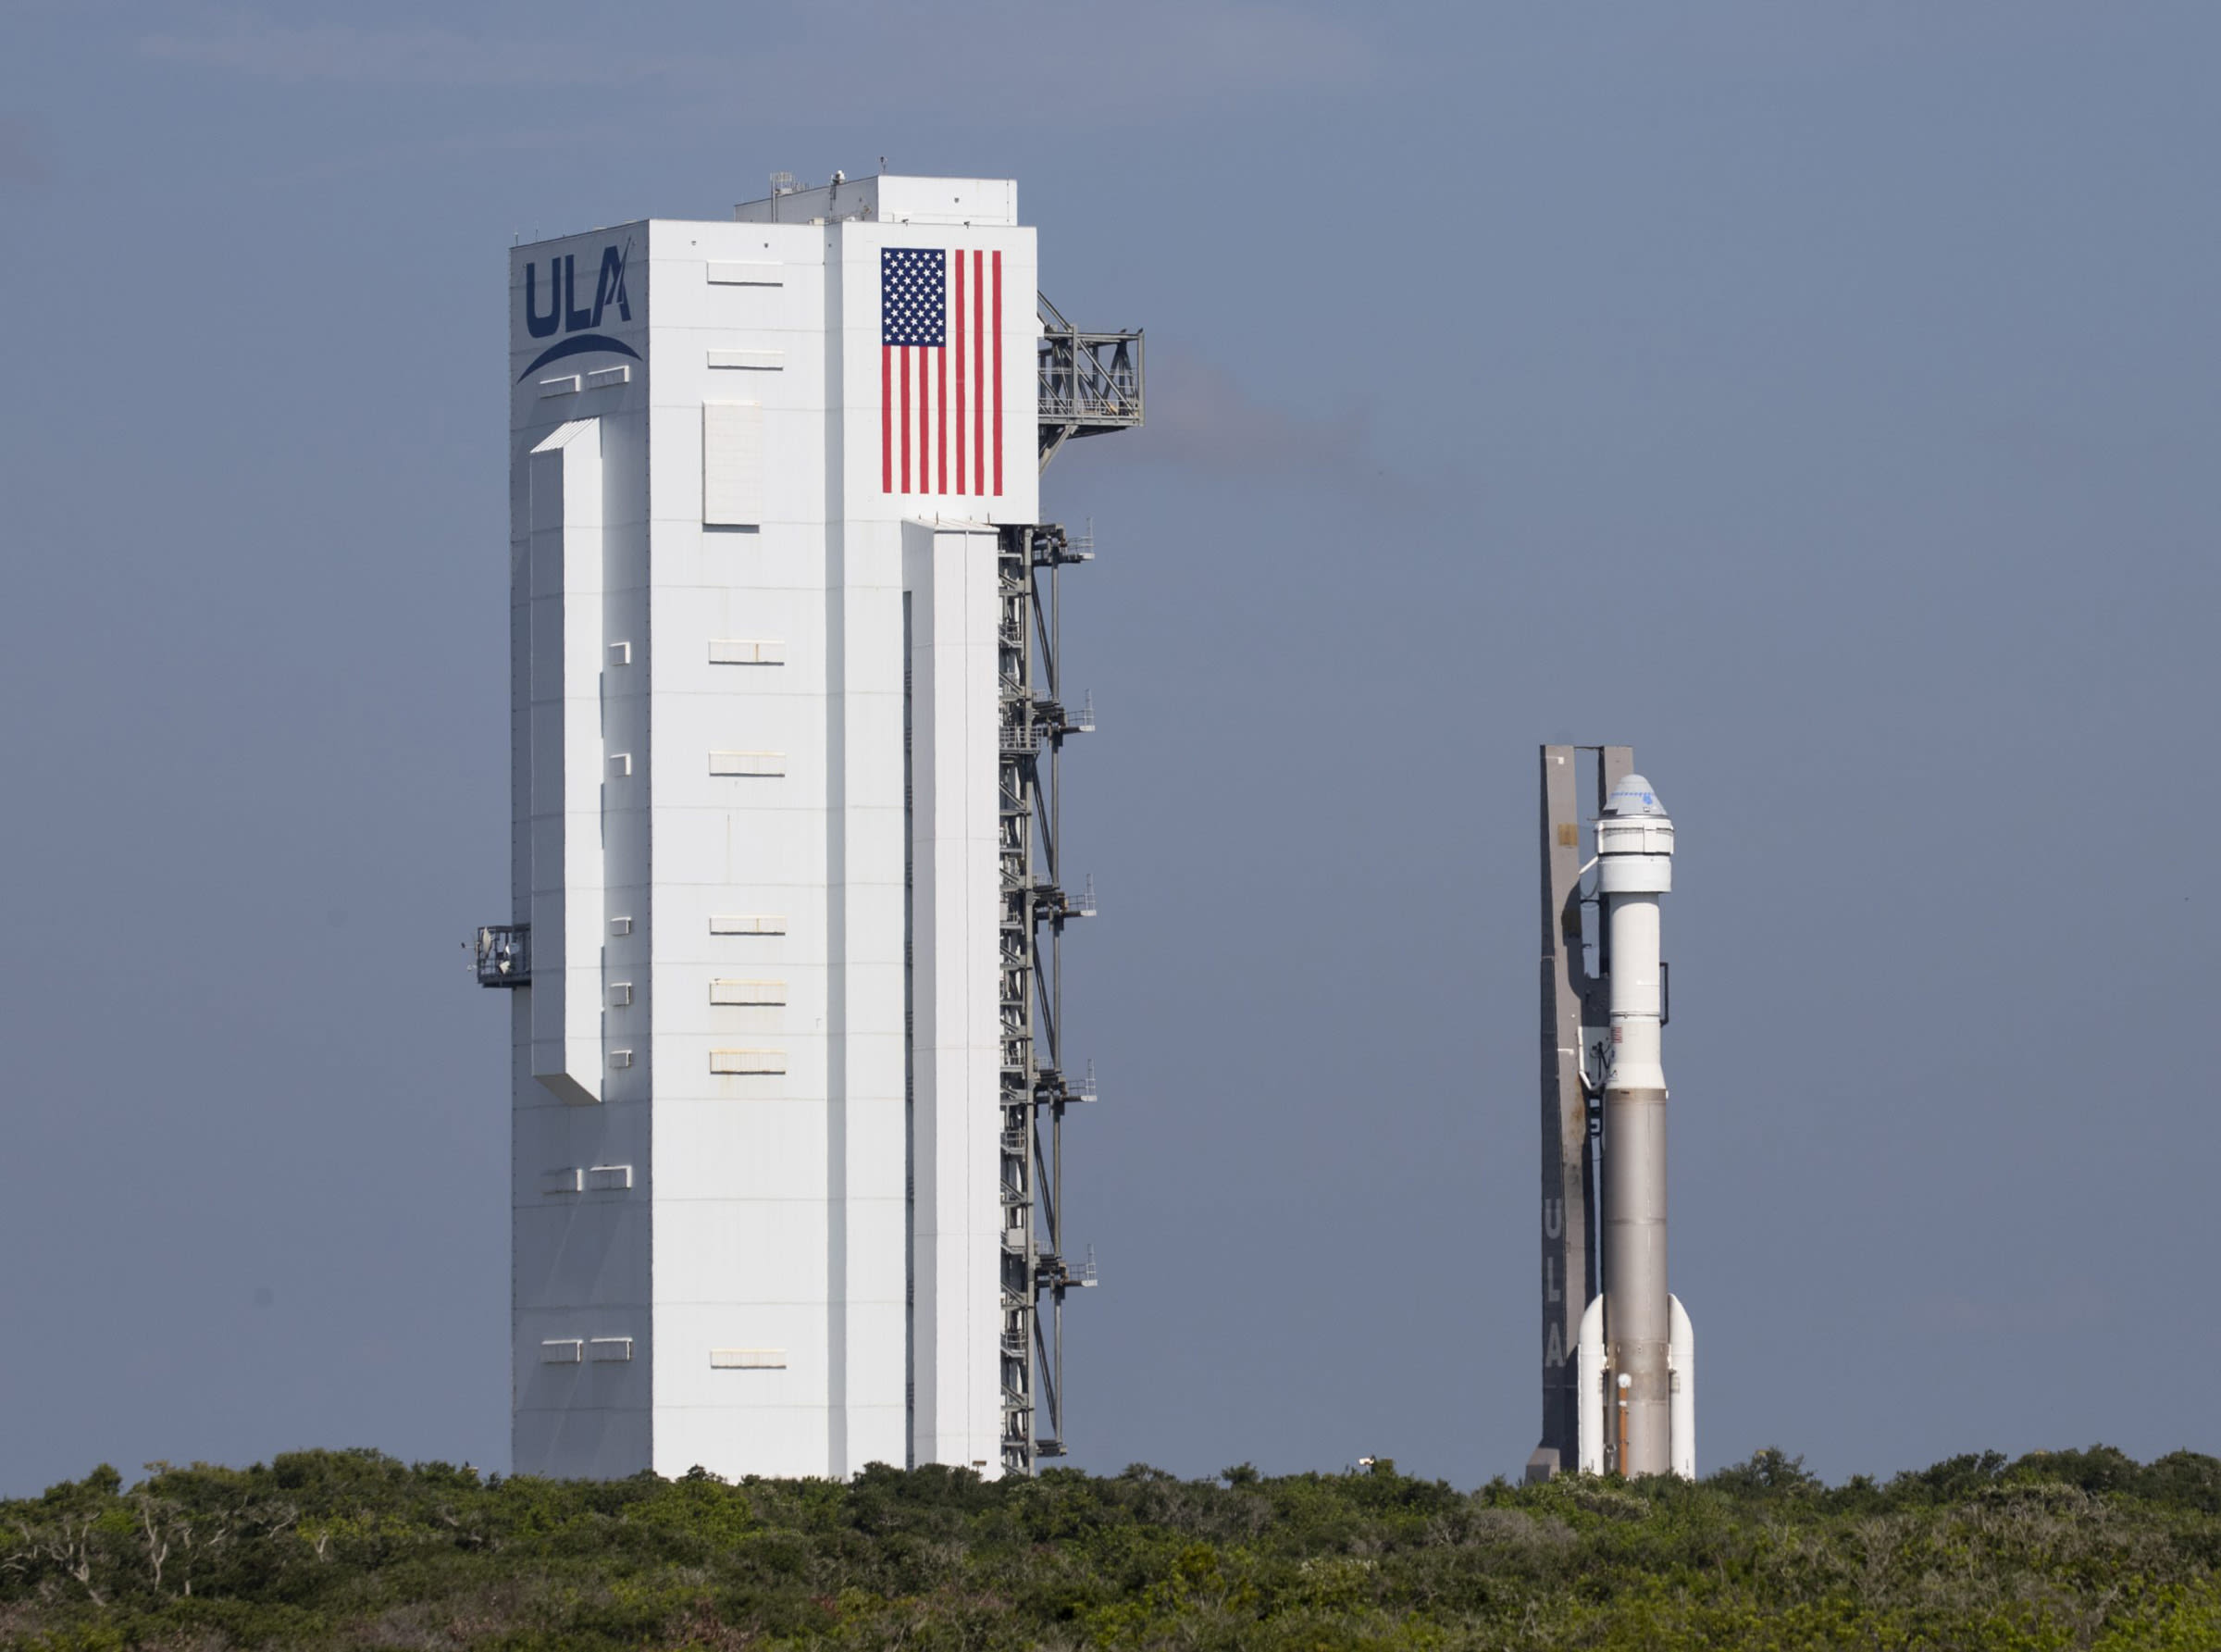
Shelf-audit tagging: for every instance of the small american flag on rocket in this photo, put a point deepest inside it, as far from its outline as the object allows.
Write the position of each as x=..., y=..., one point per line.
x=940, y=371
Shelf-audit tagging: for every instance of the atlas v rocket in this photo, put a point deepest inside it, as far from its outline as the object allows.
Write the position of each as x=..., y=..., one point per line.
x=1619, y=1354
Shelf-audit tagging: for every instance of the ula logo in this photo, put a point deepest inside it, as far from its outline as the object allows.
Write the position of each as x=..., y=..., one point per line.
x=577, y=321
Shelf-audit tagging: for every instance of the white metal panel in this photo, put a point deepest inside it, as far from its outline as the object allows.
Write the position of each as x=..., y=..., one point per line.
x=752, y=361
x=737, y=718
x=733, y=923
x=956, y=1058
x=748, y=1061
x=791, y=1011
x=764, y=764
x=748, y=992
x=747, y=651
x=745, y=274
x=566, y=528
x=686, y=1010
x=749, y=1154
x=747, y=1359
x=725, y=1417
x=579, y=1256
x=732, y=464
x=736, y=1255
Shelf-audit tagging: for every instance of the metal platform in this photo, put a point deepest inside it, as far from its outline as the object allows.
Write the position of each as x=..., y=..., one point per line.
x=505, y=955
x=1091, y=382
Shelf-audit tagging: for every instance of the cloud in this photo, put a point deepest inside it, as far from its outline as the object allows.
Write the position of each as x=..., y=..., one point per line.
x=1200, y=418
x=23, y=153
x=849, y=57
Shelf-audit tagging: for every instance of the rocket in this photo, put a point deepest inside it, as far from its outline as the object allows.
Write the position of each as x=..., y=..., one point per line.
x=1637, y=1350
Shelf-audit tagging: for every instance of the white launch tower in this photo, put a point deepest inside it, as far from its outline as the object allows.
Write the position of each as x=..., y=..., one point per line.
x=785, y=730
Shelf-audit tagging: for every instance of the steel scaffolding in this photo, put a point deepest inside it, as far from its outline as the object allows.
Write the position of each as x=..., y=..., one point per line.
x=1090, y=381
x=1036, y=1089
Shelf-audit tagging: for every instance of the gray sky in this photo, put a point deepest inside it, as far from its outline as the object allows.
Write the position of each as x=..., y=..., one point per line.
x=1822, y=398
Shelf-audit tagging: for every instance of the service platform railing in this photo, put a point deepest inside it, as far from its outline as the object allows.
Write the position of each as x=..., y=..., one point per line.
x=505, y=955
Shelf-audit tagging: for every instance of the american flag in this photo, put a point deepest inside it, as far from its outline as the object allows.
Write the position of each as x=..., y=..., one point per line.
x=940, y=371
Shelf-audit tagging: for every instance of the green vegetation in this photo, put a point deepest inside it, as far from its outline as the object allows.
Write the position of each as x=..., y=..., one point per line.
x=353, y=1549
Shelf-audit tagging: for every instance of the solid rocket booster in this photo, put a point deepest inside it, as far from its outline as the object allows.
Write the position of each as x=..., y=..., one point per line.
x=1634, y=851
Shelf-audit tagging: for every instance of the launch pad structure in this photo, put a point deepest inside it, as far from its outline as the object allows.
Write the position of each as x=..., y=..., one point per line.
x=1036, y=906
x=1618, y=1347
x=1091, y=385
x=789, y=894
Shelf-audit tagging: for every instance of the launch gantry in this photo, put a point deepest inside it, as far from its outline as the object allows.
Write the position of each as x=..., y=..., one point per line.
x=1091, y=384
x=1090, y=381
x=1035, y=909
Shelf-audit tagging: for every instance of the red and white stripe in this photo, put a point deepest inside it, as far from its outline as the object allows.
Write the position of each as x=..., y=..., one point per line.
x=940, y=408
